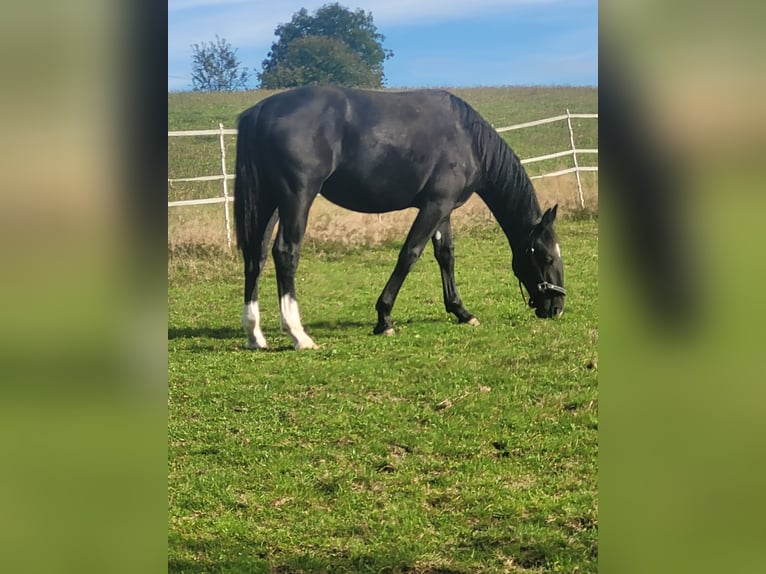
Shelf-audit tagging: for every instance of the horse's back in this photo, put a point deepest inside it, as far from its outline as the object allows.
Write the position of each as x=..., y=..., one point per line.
x=370, y=150
x=302, y=110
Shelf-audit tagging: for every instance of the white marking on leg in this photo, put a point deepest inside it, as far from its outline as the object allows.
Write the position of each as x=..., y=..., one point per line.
x=251, y=321
x=438, y=235
x=557, y=249
x=291, y=322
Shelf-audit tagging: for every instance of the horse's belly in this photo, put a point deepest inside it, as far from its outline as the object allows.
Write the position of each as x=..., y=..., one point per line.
x=367, y=197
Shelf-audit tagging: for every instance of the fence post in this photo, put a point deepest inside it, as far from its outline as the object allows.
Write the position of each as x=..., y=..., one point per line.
x=574, y=158
x=225, y=185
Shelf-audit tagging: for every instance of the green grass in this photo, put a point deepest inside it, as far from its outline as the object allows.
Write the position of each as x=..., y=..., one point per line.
x=445, y=448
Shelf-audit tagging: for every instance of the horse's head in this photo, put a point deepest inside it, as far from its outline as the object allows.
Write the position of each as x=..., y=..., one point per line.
x=540, y=268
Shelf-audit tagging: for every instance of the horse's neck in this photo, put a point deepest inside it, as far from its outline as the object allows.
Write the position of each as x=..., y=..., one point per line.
x=515, y=206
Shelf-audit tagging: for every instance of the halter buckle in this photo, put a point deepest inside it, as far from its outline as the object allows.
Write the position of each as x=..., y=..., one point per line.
x=545, y=287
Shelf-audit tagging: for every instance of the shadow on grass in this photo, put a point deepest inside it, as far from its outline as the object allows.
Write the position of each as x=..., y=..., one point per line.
x=240, y=560
x=256, y=556
x=339, y=325
x=196, y=336
x=207, y=339
x=230, y=332
x=368, y=325
x=214, y=557
x=205, y=332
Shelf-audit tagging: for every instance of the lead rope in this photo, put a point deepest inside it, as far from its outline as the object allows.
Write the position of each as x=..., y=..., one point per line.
x=521, y=290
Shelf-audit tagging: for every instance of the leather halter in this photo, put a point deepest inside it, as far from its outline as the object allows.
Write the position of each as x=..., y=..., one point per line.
x=544, y=286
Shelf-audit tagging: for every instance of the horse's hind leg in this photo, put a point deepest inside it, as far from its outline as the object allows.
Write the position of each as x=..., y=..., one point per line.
x=286, y=251
x=444, y=250
x=254, y=258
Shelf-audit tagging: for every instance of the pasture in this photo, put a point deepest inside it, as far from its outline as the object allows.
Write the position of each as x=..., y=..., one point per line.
x=445, y=449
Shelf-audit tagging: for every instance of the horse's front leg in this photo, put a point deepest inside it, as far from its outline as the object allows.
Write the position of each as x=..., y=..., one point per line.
x=444, y=250
x=286, y=252
x=424, y=226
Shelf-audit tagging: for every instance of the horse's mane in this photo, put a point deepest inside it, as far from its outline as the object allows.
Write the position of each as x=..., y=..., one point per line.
x=508, y=184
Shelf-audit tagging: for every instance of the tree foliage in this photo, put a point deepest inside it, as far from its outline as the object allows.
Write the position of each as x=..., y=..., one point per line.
x=332, y=46
x=215, y=67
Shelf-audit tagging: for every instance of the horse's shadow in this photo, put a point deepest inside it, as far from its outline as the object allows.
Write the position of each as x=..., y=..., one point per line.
x=235, y=336
x=204, y=332
x=236, y=333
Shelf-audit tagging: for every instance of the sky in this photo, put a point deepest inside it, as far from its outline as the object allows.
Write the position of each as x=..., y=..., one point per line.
x=436, y=43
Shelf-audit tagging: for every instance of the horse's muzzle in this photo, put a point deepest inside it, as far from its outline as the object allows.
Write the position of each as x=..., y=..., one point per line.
x=552, y=304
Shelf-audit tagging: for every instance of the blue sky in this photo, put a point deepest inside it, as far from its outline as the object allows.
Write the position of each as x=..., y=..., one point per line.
x=449, y=43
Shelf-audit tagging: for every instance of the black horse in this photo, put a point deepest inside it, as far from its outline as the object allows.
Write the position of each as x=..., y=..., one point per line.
x=376, y=152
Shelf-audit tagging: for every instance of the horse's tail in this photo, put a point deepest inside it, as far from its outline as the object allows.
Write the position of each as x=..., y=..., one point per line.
x=246, y=182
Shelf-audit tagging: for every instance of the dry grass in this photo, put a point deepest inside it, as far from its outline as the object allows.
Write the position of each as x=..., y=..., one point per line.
x=202, y=229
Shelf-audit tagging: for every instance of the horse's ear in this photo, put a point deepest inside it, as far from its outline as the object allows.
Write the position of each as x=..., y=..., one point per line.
x=549, y=216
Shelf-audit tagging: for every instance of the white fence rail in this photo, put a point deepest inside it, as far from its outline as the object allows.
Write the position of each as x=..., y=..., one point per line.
x=225, y=198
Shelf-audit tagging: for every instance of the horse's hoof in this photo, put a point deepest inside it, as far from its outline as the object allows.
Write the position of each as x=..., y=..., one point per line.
x=388, y=332
x=473, y=321
x=254, y=344
x=306, y=343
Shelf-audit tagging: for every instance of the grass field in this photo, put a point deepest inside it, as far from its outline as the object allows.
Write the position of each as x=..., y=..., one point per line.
x=445, y=448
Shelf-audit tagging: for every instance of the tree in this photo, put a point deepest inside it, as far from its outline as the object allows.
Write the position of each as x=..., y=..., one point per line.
x=215, y=67
x=332, y=46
